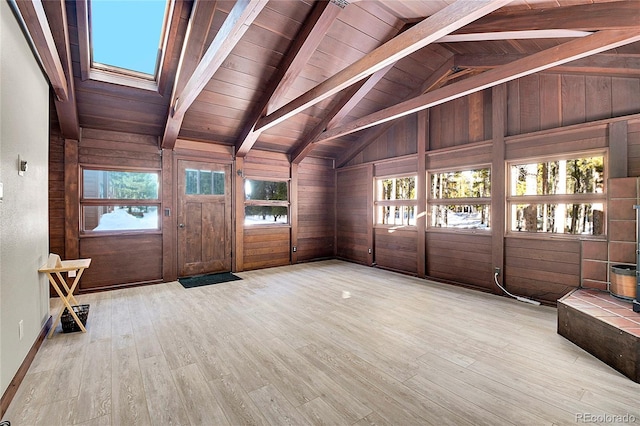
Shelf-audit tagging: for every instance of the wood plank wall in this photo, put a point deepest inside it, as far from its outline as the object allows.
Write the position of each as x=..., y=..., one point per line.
x=633, y=143
x=122, y=259
x=353, y=207
x=542, y=268
x=547, y=114
x=545, y=101
x=399, y=140
x=56, y=191
x=461, y=121
x=316, y=209
x=463, y=258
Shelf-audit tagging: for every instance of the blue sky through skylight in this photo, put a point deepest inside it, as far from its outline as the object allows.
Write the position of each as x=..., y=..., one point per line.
x=126, y=33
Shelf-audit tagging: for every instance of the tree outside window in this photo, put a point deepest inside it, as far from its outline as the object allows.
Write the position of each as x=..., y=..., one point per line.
x=561, y=196
x=266, y=202
x=396, y=201
x=460, y=199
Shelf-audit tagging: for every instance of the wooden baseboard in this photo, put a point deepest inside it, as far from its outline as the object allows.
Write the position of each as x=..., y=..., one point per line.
x=24, y=367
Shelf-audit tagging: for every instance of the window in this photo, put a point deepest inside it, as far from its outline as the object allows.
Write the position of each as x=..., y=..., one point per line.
x=560, y=196
x=460, y=199
x=115, y=200
x=266, y=202
x=126, y=35
x=204, y=182
x=396, y=201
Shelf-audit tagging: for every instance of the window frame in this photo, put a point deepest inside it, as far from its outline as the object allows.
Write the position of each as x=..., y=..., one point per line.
x=266, y=203
x=91, y=70
x=460, y=201
x=394, y=203
x=556, y=199
x=88, y=202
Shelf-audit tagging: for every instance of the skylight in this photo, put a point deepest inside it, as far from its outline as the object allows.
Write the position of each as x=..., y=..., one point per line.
x=126, y=34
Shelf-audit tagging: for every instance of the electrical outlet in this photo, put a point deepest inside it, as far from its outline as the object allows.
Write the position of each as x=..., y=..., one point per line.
x=20, y=329
x=72, y=274
x=370, y=251
x=295, y=249
x=496, y=270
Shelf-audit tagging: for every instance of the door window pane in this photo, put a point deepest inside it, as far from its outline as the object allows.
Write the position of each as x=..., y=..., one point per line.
x=204, y=182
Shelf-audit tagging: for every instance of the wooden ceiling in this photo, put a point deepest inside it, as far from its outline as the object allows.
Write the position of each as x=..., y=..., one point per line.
x=321, y=78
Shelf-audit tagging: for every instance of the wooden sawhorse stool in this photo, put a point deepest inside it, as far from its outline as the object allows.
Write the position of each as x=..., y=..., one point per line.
x=55, y=266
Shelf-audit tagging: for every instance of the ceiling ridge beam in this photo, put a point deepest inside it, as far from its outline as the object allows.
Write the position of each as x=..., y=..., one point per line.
x=322, y=16
x=35, y=20
x=583, y=17
x=557, y=55
x=443, y=22
x=243, y=13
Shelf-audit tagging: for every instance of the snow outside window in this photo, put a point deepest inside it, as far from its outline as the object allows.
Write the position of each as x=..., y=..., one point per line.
x=119, y=200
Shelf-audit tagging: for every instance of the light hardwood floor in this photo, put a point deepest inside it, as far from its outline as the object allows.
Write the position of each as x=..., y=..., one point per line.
x=283, y=346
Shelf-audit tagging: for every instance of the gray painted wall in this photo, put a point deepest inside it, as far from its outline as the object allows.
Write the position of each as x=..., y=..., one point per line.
x=24, y=227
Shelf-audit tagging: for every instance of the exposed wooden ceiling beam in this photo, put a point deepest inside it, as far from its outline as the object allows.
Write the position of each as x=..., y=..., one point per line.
x=66, y=111
x=197, y=31
x=602, y=64
x=170, y=43
x=447, y=20
x=436, y=80
x=584, y=17
x=513, y=35
x=35, y=20
x=567, y=52
x=235, y=25
x=324, y=13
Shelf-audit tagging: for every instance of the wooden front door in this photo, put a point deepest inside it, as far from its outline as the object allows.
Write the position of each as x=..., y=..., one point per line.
x=204, y=218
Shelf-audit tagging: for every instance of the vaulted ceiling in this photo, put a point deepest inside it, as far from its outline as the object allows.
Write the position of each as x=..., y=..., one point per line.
x=321, y=78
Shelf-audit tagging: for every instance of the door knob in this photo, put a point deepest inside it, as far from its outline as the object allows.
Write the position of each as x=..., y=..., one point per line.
x=181, y=225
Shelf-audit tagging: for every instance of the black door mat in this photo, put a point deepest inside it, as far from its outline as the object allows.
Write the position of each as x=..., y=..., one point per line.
x=201, y=280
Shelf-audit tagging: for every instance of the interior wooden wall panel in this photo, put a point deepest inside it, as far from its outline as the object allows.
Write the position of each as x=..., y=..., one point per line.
x=463, y=258
x=547, y=101
x=316, y=209
x=543, y=269
x=550, y=115
x=556, y=141
x=56, y=192
x=461, y=121
x=265, y=247
x=121, y=259
x=396, y=249
x=469, y=155
x=398, y=141
x=352, y=209
x=264, y=164
x=633, y=141
x=625, y=96
x=399, y=166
